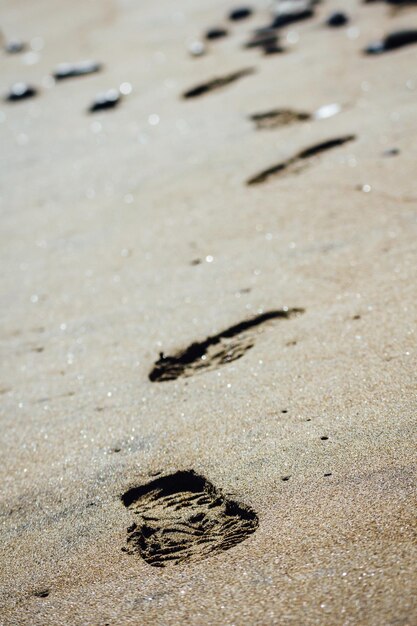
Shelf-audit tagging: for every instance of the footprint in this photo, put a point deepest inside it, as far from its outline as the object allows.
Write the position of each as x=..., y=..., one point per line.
x=183, y=517
x=294, y=162
x=217, y=83
x=225, y=347
x=278, y=117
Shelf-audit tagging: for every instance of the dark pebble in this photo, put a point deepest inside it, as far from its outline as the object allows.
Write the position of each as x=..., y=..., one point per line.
x=284, y=19
x=70, y=70
x=262, y=39
x=15, y=46
x=400, y=2
x=337, y=19
x=21, y=91
x=106, y=100
x=240, y=13
x=272, y=48
x=391, y=152
x=393, y=41
x=216, y=33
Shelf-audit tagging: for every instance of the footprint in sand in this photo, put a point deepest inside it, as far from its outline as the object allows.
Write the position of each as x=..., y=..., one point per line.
x=227, y=346
x=183, y=517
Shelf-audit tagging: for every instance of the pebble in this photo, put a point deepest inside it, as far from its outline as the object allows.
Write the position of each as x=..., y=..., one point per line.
x=14, y=46
x=393, y=41
x=105, y=100
x=337, y=19
x=197, y=48
x=326, y=111
x=20, y=91
x=215, y=33
x=272, y=48
x=240, y=13
x=262, y=39
x=70, y=70
x=289, y=11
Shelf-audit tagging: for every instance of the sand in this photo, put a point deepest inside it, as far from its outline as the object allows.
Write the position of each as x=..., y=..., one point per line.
x=133, y=232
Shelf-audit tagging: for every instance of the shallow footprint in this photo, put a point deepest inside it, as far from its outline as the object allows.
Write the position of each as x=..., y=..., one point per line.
x=183, y=517
x=227, y=346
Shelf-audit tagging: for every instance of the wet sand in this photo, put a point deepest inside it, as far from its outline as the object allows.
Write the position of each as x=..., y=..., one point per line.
x=133, y=232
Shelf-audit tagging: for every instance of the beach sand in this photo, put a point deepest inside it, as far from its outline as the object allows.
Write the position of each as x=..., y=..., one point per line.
x=132, y=232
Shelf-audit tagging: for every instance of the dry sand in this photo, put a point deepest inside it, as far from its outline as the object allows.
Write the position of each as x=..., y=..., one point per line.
x=103, y=219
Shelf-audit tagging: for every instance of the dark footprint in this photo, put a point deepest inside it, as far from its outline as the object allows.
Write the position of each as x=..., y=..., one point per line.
x=227, y=346
x=183, y=517
x=72, y=70
x=292, y=163
x=217, y=83
x=277, y=118
x=393, y=41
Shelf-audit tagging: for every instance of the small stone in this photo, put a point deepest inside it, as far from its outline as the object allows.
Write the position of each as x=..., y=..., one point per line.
x=240, y=13
x=337, y=19
x=216, y=33
x=263, y=39
x=71, y=70
x=393, y=41
x=326, y=111
x=106, y=100
x=14, y=46
x=272, y=48
x=289, y=11
x=197, y=48
x=21, y=91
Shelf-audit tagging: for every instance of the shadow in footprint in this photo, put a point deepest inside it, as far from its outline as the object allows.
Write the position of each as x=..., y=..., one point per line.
x=183, y=517
x=227, y=346
x=298, y=160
